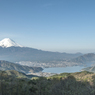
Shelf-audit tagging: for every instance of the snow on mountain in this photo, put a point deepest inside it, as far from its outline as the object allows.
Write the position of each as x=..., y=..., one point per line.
x=7, y=42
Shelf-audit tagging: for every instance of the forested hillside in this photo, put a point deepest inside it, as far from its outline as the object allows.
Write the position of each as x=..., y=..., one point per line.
x=81, y=83
x=5, y=65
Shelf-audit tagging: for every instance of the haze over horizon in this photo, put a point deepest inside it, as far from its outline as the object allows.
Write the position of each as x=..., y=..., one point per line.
x=51, y=25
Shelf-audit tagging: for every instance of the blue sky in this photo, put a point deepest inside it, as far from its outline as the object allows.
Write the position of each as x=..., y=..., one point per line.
x=53, y=25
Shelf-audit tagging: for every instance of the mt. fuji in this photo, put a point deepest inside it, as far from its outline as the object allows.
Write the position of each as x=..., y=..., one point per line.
x=7, y=42
x=12, y=51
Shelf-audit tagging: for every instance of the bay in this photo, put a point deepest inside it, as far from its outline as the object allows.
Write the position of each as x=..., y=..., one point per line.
x=63, y=69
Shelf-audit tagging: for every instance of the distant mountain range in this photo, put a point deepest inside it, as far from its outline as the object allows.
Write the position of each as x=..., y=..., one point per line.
x=86, y=59
x=12, y=51
x=5, y=65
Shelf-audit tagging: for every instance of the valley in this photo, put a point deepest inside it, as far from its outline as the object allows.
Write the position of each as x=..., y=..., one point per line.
x=25, y=57
x=30, y=71
x=47, y=47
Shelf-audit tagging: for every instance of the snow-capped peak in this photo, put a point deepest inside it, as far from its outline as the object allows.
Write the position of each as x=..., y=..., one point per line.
x=7, y=42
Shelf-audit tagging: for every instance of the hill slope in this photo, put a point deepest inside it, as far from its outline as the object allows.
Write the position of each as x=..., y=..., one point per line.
x=86, y=59
x=5, y=65
x=80, y=83
x=15, y=74
x=90, y=69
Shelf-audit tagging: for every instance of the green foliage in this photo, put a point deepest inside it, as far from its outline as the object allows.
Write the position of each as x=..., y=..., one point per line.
x=80, y=83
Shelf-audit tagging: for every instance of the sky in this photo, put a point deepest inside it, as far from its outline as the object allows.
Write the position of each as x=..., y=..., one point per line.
x=50, y=25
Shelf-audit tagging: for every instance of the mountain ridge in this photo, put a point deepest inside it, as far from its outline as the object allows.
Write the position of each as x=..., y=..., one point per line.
x=6, y=65
x=15, y=54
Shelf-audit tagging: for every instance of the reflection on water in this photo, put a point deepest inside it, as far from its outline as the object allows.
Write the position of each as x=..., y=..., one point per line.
x=63, y=69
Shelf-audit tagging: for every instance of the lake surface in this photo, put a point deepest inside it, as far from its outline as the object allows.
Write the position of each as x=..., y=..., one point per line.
x=63, y=69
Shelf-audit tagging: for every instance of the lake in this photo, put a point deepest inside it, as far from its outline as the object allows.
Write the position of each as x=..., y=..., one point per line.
x=63, y=69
